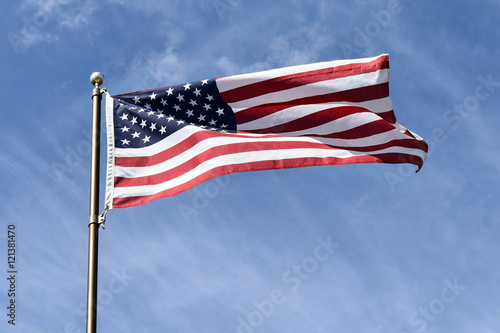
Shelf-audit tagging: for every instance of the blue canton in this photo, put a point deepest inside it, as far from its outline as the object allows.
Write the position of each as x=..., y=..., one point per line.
x=144, y=118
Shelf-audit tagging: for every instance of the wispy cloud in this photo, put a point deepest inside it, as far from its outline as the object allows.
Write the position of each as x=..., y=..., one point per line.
x=79, y=17
x=24, y=39
x=44, y=21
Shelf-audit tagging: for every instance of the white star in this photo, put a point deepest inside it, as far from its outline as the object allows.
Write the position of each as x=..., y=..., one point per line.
x=146, y=139
x=223, y=126
x=210, y=97
x=136, y=135
x=197, y=92
x=180, y=97
x=203, y=82
x=220, y=111
x=207, y=107
x=189, y=113
x=201, y=118
x=187, y=86
x=125, y=142
x=124, y=116
x=125, y=129
x=177, y=108
x=169, y=91
x=161, y=115
x=141, y=110
x=134, y=121
x=163, y=130
x=137, y=99
x=151, y=113
x=148, y=106
x=180, y=122
x=170, y=118
x=164, y=102
x=143, y=123
x=193, y=103
x=152, y=127
x=152, y=96
x=213, y=122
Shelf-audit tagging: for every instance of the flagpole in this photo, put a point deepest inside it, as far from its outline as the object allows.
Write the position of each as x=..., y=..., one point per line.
x=96, y=79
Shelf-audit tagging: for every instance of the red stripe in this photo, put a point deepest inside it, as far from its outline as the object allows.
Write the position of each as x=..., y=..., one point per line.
x=317, y=119
x=141, y=161
x=311, y=120
x=404, y=143
x=246, y=147
x=362, y=131
x=296, y=80
x=210, y=154
x=267, y=165
x=356, y=95
x=186, y=144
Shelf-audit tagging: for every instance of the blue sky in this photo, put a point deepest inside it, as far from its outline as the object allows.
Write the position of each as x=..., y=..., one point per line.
x=358, y=248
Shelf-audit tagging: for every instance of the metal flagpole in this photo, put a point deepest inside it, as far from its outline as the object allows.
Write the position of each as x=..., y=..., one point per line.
x=96, y=79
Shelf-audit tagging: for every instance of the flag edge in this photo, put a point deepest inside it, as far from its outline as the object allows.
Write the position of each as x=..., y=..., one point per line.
x=110, y=161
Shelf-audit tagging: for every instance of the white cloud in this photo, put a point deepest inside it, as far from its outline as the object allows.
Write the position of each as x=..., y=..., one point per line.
x=79, y=17
x=42, y=21
x=26, y=38
x=150, y=69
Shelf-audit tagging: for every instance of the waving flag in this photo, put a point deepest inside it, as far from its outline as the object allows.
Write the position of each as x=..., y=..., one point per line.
x=166, y=140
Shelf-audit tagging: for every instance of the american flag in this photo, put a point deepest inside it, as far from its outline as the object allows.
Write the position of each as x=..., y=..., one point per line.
x=166, y=140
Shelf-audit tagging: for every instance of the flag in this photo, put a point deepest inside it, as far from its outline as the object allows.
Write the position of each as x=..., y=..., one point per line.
x=166, y=140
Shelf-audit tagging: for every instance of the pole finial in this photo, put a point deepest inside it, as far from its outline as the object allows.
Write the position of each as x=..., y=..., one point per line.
x=97, y=79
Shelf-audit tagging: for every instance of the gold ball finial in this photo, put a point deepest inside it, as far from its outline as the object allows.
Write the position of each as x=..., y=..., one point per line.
x=97, y=79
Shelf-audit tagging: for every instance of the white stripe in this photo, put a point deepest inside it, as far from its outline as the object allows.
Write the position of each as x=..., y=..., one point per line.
x=162, y=145
x=338, y=125
x=296, y=112
x=236, y=81
x=246, y=157
x=197, y=149
x=169, y=142
x=204, y=145
x=372, y=140
x=315, y=89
